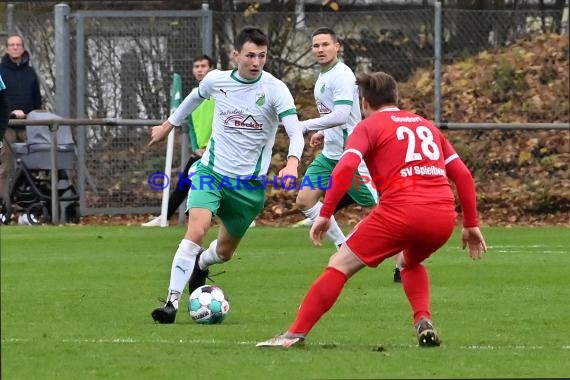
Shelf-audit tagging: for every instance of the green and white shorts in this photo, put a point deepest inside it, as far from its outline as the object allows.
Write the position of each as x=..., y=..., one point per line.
x=236, y=202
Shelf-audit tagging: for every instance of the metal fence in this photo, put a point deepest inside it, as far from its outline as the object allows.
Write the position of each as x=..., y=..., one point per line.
x=120, y=63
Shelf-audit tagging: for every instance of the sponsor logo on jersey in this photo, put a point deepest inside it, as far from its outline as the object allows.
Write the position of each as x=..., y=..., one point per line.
x=322, y=108
x=323, y=88
x=425, y=170
x=243, y=122
x=406, y=119
x=233, y=112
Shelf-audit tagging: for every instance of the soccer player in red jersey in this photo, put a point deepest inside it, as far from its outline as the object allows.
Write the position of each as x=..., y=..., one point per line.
x=410, y=162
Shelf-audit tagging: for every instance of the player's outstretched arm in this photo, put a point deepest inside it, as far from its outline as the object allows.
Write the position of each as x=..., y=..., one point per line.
x=341, y=181
x=295, y=134
x=338, y=116
x=188, y=105
x=471, y=236
x=296, y=146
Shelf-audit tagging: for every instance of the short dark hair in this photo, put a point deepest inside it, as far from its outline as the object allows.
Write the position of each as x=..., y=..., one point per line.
x=378, y=89
x=325, y=30
x=250, y=34
x=204, y=57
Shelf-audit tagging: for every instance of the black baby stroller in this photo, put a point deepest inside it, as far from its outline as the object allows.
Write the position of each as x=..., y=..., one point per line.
x=30, y=190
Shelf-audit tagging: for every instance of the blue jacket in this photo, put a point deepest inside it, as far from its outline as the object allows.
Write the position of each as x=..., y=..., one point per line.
x=22, y=84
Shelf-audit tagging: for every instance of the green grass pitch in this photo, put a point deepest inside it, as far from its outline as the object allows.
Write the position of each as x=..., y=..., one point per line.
x=76, y=303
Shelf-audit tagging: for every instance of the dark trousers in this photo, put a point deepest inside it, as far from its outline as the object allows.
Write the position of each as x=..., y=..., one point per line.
x=178, y=195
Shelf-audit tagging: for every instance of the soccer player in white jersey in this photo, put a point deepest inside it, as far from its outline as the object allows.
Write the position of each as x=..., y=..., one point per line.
x=337, y=101
x=336, y=95
x=249, y=103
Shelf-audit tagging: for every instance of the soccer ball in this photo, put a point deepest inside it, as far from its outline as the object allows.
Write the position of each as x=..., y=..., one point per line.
x=208, y=305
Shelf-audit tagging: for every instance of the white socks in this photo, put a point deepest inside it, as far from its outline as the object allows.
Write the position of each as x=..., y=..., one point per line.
x=182, y=266
x=209, y=256
x=334, y=233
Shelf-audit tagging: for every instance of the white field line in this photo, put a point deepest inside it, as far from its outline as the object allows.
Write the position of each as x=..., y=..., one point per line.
x=528, y=246
x=521, y=248
x=521, y=251
x=252, y=343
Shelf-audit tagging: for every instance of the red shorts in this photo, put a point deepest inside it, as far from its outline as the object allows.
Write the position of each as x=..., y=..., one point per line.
x=418, y=230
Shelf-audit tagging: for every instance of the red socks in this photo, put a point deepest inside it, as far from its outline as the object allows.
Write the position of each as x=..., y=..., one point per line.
x=415, y=281
x=319, y=299
x=325, y=290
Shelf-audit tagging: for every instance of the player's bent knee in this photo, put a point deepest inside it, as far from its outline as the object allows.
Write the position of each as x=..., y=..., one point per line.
x=345, y=261
x=306, y=199
x=400, y=260
x=196, y=232
x=300, y=201
x=226, y=247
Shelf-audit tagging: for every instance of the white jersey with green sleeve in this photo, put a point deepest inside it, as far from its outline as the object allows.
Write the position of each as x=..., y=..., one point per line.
x=337, y=85
x=246, y=118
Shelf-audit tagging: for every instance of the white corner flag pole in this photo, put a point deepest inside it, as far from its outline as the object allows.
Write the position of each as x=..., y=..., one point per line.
x=175, y=100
